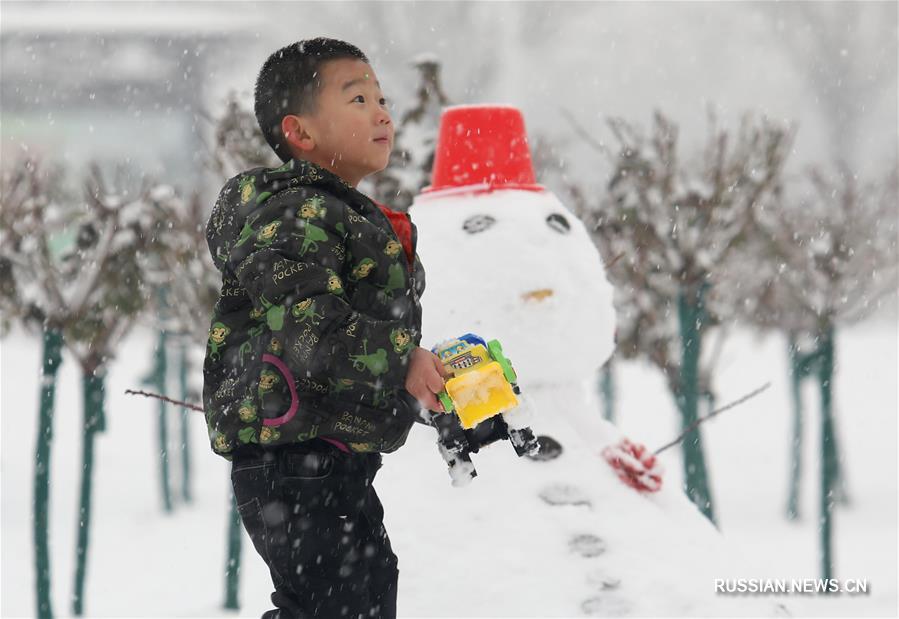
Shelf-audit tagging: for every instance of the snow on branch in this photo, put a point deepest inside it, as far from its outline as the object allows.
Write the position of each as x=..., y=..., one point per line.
x=828, y=256
x=675, y=217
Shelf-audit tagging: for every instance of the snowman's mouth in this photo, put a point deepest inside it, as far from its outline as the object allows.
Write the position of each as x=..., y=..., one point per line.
x=537, y=295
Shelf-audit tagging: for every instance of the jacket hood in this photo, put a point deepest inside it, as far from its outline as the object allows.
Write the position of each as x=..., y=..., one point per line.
x=242, y=193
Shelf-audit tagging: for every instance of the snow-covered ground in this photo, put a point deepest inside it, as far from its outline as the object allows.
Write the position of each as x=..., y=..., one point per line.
x=453, y=560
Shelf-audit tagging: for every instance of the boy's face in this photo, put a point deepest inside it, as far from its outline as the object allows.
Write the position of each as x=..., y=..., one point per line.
x=351, y=133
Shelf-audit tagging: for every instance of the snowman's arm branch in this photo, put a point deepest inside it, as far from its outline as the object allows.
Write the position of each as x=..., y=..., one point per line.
x=147, y=394
x=696, y=423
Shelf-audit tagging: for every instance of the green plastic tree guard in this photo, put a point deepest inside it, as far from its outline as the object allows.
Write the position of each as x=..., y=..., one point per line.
x=160, y=370
x=52, y=350
x=691, y=314
x=183, y=369
x=828, y=453
x=232, y=568
x=799, y=365
x=94, y=421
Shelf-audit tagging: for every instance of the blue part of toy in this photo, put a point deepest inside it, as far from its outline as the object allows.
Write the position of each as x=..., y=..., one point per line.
x=496, y=353
x=469, y=338
x=473, y=339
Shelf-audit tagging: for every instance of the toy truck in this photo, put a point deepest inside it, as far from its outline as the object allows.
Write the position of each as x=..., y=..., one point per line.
x=482, y=404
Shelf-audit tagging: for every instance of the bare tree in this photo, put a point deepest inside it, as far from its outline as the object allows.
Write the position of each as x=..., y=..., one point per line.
x=827, y=259
x=664, y=228
x=75, y=268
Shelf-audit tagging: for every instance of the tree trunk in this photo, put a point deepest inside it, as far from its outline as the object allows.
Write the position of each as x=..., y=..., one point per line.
x=796, y=375
x=160, y=370
x=232, y=569
x=690, y=317
x=607, y=390
x=52, y=345
x=841, y=489
x=94, y=421
x=828, y=452
x=185, y=442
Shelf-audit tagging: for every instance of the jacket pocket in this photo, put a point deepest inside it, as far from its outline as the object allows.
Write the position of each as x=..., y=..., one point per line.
x=306, y=466
x=368, y=429
x=277, y=392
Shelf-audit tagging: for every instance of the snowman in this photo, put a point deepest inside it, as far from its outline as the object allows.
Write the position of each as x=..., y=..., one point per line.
x=534, y=536
x=506, y=260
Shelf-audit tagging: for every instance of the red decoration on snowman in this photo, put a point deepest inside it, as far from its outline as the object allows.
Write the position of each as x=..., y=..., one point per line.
x=481, y=148
x=635, y=465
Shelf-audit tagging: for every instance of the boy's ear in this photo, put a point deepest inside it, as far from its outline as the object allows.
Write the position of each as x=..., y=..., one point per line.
x=295, y=129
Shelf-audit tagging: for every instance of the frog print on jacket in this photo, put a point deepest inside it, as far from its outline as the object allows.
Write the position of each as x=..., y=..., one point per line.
x=247, y=435
x=247, y=186
x=259, y=316
x=267, y=434
x=312, y=235
x=362, y=269
x=335, y=286
x=267, y=381
x=375, y=363
x=340, y=385
x=305, y=310
x=396, y=280
x=265, y=236
x=217, y=335
x=275, y=347
x=247, y=411
x=274, y=314
x=313, y=208
x=246, y=233
x=401, y=340
x=220, y=444
x=393, y=249
x=248, y=191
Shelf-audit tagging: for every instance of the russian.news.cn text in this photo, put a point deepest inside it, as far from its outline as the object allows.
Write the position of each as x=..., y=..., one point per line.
x=791, y=586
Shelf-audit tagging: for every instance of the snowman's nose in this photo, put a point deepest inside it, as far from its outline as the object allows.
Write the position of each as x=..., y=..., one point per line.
x=537, y=295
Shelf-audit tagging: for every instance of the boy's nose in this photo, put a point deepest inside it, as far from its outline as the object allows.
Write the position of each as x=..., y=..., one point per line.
x=383, y=117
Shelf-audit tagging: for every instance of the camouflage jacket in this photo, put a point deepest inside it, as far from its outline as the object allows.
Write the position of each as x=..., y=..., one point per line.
x=318, y=312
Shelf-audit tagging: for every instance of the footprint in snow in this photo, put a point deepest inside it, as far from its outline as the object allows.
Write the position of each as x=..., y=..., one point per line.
x=564, y=494
x=587, y=545
x=605, y=606
x=603, y=581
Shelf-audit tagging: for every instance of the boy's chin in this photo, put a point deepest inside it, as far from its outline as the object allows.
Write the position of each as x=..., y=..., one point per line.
x=376, y=169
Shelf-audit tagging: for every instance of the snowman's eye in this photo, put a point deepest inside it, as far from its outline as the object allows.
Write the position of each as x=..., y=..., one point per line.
x=478, y=223
x=558, y=223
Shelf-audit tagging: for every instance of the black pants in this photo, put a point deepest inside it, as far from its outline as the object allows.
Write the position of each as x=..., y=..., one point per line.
x=315, y=519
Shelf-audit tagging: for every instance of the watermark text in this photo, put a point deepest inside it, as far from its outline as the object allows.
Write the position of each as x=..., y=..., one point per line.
x=791, y=586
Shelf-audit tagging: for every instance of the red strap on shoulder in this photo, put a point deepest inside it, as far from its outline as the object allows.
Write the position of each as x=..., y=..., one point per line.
x=402, y=227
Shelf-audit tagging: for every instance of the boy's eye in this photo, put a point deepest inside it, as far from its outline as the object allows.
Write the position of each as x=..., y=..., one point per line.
x=359, y=97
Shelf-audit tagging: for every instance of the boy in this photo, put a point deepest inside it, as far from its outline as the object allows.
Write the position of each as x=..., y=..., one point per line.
x=313, y=366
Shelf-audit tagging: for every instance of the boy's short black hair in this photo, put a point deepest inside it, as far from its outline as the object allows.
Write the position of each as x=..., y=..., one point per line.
x=289, y=83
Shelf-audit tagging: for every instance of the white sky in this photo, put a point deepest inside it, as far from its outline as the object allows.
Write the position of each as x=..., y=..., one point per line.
x=593, y=59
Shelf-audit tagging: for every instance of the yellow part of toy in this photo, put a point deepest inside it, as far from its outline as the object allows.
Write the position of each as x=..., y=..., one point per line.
x=480, y=394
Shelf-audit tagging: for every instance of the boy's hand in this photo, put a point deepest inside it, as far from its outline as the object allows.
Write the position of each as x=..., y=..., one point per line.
x=424, y=379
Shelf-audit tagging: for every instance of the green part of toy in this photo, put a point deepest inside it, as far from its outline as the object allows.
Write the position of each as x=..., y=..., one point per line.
x=496, y=353
x=446, y=401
